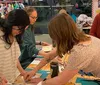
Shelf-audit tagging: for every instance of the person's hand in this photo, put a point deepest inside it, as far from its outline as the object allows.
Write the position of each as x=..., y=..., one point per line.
x=3, y=80
x=58, y=59
x=45, y=44
x=24, y=74
x=29, y=75
x=35, y=81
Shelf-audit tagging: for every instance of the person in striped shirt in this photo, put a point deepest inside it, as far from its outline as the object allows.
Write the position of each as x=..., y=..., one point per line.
x=11, y=30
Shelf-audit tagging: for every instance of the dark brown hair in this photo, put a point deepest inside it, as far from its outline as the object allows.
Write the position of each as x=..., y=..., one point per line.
x=17, y=17
x=64, y=32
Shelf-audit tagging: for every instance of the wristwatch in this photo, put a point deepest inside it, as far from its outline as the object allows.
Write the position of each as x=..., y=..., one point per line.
x=40, y=43
x=44, y=79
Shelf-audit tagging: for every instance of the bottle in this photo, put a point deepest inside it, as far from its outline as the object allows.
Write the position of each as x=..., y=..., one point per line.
x=54, y=69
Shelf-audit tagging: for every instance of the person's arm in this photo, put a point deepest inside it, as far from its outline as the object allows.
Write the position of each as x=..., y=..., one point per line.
x=42, y=53
x=29, y=42
x=38, y=42
x=61, y=79
x=3, y=80
x=94, y=27
x=21, y=70
x=42, y=43
x=49, y=56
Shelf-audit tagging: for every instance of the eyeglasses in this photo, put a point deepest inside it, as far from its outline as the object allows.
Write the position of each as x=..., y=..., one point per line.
x=21, y=28
x=33, y=17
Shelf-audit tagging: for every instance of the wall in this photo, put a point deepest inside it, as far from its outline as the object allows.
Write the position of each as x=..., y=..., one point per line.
x=95, y=8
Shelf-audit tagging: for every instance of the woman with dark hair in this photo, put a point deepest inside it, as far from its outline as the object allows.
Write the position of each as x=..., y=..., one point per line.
x=83, y=50
x=11, y=30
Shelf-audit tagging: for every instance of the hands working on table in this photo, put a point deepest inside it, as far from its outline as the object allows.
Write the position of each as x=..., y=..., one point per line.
x=3, y=80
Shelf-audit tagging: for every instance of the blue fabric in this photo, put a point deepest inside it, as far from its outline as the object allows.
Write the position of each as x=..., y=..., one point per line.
x=73, y=17
x=84, y=73
x=43, y=72
x=87, y=82
x=39, y=56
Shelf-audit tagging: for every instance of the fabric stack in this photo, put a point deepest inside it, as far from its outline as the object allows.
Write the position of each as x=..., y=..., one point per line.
x=7, y=6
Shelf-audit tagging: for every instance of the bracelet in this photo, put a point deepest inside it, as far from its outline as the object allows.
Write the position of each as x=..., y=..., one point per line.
x=40, y=83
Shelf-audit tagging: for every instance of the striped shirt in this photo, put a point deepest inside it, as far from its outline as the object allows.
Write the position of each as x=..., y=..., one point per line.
x=8, y=59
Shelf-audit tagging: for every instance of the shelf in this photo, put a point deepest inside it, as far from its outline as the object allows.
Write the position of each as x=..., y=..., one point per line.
x=10, y=1
x=55, y=6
